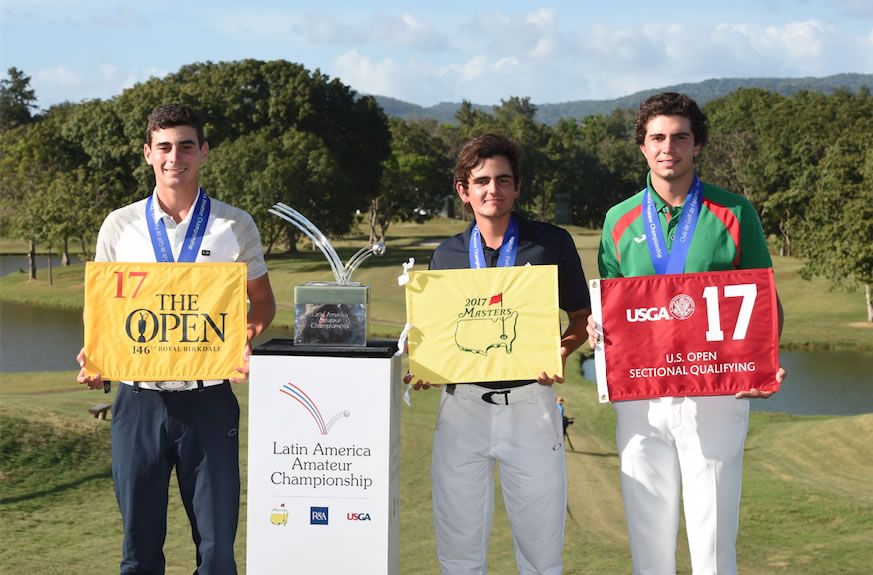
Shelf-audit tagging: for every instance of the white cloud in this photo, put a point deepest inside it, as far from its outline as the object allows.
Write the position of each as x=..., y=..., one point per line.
x=252, y=25
x=108, y=71
x=854, y=8
x=365, y=75
x=134, y=76
x=602, y=46
x=407, y=31
x=322, y=28
x=122, y=16
x=531, y=35
x=804, y=48
x=58, y=77
x=473, y=68
x=797, y=40
x=62, y=84
x=380, y=30
x=507, y=65
x=545, y=21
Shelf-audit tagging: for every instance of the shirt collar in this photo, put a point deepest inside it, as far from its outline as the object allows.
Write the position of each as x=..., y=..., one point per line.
x=520, y=220
x=661, y=206
x=160, y=213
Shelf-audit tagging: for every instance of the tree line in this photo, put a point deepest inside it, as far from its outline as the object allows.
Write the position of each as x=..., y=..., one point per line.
x=279, y=132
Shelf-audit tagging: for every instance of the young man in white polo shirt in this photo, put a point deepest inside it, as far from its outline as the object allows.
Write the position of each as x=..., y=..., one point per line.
x=194, y=429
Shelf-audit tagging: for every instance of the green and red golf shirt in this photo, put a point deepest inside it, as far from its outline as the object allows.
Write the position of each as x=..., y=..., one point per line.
x=728, y=235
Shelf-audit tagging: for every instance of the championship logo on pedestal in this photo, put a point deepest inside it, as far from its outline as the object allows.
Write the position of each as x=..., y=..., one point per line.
x=330, y=313
x=323, y=456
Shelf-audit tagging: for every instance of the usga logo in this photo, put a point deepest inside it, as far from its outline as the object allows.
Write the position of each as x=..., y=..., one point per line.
x=647, y=314
x=318, y=515
x=358, y=516
x=681, y=307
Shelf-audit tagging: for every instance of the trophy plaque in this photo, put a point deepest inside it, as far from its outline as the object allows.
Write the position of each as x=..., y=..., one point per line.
x=330, y=313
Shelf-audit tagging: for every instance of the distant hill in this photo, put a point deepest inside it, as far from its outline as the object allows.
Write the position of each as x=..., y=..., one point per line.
x=702, y=92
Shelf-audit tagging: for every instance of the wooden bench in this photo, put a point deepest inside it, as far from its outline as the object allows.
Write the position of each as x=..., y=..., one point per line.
x=100, y=411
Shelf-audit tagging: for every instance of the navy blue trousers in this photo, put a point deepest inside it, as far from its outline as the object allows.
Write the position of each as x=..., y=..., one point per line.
x=197, y=432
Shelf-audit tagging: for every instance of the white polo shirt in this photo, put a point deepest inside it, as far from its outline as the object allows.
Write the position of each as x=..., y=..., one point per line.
x=230, y=236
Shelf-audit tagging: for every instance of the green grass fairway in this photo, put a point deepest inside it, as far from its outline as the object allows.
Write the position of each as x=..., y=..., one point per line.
x=807, y=503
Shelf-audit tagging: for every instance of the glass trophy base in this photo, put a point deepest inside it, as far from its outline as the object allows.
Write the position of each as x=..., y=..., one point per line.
x=330, y=314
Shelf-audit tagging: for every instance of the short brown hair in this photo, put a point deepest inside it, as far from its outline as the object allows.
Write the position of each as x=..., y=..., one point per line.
x=671, y=104
x=172, y=115
x=484, y=147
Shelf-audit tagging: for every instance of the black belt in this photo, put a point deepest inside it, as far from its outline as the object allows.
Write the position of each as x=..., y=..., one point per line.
x=494, y=396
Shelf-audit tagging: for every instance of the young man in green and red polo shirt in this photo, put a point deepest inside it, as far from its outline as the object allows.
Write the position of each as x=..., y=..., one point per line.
x=692, y=443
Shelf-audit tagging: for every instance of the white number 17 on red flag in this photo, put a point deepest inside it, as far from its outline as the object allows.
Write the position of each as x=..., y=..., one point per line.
x=666, y=335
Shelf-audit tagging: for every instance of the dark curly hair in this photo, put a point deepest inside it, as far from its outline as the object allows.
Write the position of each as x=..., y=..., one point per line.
x=484, y=147
x=671, y=104
x=172, y=115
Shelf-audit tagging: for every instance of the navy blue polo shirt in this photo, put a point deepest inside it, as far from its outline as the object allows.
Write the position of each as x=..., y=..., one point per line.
x=539, y=244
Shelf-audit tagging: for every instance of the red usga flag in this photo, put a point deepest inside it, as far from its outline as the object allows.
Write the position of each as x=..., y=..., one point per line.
x=710, y=333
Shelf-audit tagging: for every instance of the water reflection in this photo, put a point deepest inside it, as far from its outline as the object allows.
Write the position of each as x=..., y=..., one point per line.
x=35, y=338
x=823, y=382
x=818, y=383
x=18, y=263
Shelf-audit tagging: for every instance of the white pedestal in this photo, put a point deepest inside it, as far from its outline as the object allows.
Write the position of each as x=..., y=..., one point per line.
x=324, y=459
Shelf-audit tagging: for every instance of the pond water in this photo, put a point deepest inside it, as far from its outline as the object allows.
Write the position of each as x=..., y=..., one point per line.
x=15, y=263
x=817, y=383
x=35, y=338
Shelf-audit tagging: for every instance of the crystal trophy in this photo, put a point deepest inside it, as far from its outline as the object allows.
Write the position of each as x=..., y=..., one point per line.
x=330, y=313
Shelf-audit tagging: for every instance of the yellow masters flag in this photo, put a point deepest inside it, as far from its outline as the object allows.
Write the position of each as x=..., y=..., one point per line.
x=164, y=322
x=493, y=324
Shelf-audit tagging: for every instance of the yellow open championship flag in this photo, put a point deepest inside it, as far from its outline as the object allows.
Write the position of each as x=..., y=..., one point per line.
x=164, y=322
x=493, y=324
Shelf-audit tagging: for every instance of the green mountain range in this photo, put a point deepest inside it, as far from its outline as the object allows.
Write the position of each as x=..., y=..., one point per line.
x=703, y=92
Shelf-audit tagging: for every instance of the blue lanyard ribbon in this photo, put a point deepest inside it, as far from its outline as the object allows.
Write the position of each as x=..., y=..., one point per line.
x=674, y=261
x=193, y=239
x=508, y=249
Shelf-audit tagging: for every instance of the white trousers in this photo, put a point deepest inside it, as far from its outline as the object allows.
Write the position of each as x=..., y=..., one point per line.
x=526, y=438
x=695, y=443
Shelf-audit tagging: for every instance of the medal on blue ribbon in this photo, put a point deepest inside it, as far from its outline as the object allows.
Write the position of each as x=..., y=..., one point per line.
x=508, y=249
x=193, y=239
x=672, y=262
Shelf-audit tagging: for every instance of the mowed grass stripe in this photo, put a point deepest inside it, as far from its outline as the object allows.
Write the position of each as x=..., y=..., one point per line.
x=806, y=501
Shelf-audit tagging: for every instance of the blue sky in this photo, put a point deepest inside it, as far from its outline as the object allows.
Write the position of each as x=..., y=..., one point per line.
x=426, y=53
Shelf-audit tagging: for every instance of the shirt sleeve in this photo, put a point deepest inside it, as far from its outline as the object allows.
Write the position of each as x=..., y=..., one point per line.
x=607, y=258
x=572, y=287
x=754, y=253
x=251, y=251
x=107, y=238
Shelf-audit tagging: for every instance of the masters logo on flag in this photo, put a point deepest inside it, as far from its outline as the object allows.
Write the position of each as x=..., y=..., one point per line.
x=480, y=329
x=494, y=324
x=163, y=322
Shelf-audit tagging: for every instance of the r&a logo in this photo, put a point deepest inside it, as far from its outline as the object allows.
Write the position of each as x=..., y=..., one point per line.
x=318, y=515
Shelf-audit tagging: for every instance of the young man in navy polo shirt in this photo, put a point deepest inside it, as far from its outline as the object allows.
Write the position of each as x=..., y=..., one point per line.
x=515, y=423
